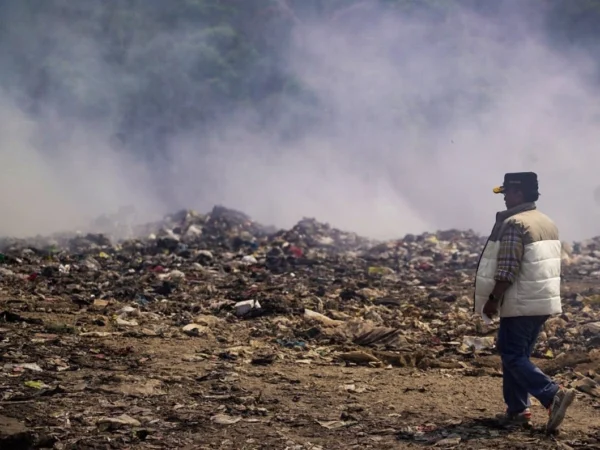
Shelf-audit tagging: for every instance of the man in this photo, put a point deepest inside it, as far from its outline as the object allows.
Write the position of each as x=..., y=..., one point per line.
x=518, y=277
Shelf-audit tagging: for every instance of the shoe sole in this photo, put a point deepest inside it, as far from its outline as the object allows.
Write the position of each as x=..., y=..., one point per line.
x=559, y=417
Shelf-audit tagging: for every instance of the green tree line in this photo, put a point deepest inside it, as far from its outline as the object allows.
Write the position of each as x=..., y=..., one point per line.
x=175, y=65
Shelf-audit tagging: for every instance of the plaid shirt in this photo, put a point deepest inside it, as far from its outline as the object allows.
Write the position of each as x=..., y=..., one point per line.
x=510, y=254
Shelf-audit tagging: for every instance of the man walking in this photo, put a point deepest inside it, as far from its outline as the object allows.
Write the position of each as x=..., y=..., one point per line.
x=518, y=277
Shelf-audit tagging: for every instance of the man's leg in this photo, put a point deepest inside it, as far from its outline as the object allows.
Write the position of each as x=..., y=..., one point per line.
x=520, y=334
x=519, y=392
x=516, y=396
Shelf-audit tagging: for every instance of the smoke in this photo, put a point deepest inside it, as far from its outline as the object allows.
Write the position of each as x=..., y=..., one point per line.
x=418, y=118
x=58, y=176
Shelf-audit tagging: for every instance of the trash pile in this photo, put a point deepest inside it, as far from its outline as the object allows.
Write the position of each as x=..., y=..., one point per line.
x=233, y=292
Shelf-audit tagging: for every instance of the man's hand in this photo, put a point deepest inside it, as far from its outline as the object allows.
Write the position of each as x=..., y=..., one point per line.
x=491, y=308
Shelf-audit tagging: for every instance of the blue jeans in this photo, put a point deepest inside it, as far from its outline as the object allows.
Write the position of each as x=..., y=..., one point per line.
x=521, y=378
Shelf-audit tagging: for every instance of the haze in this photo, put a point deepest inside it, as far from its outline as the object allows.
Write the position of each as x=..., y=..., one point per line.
x=418, y=120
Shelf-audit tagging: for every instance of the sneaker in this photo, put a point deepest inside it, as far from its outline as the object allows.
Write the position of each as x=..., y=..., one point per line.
x=519, y=419
x=556, y=413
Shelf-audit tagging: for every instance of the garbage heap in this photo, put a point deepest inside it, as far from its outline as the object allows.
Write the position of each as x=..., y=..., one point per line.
x=401, y=303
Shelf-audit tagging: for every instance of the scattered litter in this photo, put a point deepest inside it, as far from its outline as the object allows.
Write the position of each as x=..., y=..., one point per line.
x=243, y=308
x=216, y=320
x=107, y=423
x=335, y=424
x=224, y=419
x=477, y=343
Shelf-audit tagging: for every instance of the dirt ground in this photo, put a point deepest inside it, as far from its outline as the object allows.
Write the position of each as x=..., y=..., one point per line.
x=237, y=389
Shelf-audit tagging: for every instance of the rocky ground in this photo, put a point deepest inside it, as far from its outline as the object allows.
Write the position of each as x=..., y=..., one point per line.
x=216, y=332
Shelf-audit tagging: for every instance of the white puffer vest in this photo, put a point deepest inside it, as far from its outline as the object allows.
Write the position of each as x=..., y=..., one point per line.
x=536, y=291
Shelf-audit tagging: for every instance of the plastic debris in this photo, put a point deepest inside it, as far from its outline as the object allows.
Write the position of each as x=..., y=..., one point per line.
x=208, y=321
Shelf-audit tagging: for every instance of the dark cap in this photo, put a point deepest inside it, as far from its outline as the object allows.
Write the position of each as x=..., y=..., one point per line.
x=526, y=181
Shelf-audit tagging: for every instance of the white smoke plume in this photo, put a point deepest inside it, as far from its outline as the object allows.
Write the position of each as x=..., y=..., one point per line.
x=420, y=119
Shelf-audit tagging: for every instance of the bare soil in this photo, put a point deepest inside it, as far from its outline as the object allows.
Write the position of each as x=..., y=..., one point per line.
x=238, y=389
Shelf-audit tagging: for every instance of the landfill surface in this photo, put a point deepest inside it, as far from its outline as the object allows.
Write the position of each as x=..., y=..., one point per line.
x=211, y=331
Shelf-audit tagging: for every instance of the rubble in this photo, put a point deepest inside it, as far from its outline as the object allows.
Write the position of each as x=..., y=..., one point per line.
x=130, y=340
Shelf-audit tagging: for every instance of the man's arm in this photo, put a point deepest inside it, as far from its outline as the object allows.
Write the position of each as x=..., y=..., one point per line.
x=509, y=260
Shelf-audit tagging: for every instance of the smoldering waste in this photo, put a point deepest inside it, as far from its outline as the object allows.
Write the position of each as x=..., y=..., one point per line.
x=80, y=314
